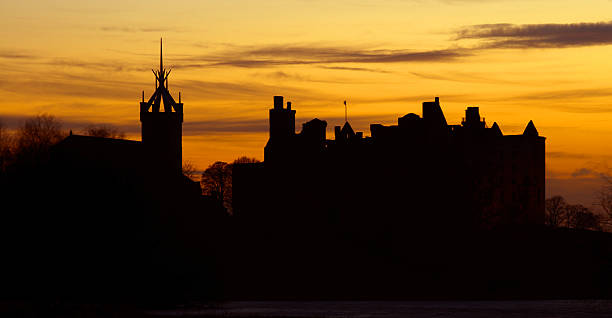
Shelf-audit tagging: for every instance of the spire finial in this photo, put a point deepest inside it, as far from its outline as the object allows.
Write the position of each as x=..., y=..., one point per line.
x=161, y=56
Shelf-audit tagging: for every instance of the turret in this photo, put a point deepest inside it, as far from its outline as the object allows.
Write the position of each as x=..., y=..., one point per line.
x=282, y=128
x=282, y=120
x=472, y=118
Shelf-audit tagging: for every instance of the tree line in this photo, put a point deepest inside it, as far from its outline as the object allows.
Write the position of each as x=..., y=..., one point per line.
x=560, y=213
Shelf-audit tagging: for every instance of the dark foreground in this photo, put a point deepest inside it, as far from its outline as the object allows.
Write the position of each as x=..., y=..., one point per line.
x=332, y=309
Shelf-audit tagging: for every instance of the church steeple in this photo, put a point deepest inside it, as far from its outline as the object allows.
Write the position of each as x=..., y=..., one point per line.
x=161, y=93
x=162, y=130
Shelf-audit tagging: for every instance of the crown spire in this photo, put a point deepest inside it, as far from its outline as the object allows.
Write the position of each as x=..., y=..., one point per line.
x=161, y=56
x=161, y=94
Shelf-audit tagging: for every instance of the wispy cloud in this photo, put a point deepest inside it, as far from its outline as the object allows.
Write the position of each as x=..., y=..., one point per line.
x=114, y=66
x=199, y=127
x=132, y=29
x=582, y=172
x=589, y=172
x=581, y=101
x=279, y=55
x=563, y=154
x=14, y=54
x=361, y=69
x=490, y=36
x=548, y=35
x=571, y=101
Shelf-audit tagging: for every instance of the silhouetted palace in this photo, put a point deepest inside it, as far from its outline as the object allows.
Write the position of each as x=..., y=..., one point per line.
x=421, y=171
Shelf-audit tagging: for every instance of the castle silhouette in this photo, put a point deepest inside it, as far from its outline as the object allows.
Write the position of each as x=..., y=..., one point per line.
x=420, y=171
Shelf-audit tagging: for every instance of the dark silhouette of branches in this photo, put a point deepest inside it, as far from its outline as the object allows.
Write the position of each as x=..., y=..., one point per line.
x=555, y=211
x=105, y=131
x=605, y=201
x=35, y=138
x=245, y=159
x=190, y=170
x=217, y=180
x=6, y=147
x=576, y=216
x=581, y=217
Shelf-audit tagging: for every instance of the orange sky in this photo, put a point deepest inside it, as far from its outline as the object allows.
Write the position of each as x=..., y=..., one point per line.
x=547, y=61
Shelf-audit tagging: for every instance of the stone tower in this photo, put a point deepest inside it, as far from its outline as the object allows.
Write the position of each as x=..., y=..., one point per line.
x=162, y=131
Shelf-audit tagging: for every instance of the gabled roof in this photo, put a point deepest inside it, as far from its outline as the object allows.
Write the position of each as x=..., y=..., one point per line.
x=496, y=130
x=347, y=130
x=530, y=130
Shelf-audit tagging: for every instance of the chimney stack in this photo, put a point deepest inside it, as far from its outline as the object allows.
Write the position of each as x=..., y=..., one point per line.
x=278, y=102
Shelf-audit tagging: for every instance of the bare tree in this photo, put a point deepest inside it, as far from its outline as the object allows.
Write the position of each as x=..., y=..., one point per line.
x=245, y=159
x=189, y=170
x=605, y=201
x=6, y=147
x=36, y=136
x=217, y=180
x=104, y=131
x=581, y=217
x=556, y=208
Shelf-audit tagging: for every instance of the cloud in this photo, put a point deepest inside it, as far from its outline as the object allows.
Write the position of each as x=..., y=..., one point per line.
x=109, y=66
x=361, y=69
x=12, y=54
x=579, y=101
x=462, y=77
x=66, y=85
x=582, y=172
x=490, y=36
x=563, y=154
x=549, y=35
x=278, y=55
x=235, y=125
x=593, y=170
x=131, y=29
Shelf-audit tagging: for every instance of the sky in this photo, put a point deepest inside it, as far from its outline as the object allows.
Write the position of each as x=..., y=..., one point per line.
x=87, y=62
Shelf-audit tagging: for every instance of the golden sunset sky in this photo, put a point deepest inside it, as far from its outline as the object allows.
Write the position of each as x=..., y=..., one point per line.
x=547, y=61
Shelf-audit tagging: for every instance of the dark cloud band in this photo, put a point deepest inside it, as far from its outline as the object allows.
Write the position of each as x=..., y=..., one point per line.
x=503, y=35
